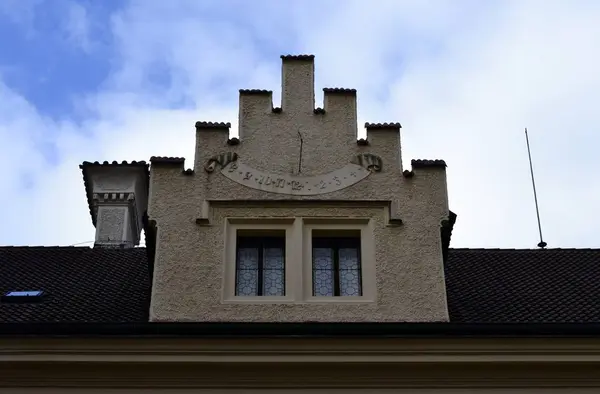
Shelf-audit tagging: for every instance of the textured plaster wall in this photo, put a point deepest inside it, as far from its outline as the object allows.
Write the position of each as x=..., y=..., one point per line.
x=188, y=274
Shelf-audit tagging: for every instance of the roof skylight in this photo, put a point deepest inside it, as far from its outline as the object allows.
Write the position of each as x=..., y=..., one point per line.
x=23, y=296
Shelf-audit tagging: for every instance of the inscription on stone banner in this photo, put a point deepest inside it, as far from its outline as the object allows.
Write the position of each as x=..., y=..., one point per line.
x=295, y=185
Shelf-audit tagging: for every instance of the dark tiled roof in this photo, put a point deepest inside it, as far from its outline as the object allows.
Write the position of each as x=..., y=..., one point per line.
x=524, y=286
x=382, y=125
x=80, y=284
x=493, y=286
x=427, y=163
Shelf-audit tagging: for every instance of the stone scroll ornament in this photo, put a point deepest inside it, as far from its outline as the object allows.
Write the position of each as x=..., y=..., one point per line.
x=360, y=167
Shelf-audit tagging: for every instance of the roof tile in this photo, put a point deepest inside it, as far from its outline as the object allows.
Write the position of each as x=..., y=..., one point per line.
x=382, y=125
x=213, y=125
x=523, y=286
x=483, y=285
x=420, y=163
x=256, y=91
x=339, y=91
x=297, y=57
x=81, y=284
x=167, y=160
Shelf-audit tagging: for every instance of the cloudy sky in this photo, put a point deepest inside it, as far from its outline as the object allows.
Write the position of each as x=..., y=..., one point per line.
x=125, y=80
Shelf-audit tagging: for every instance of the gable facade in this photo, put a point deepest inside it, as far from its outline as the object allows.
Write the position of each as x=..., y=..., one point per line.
x=331, y=228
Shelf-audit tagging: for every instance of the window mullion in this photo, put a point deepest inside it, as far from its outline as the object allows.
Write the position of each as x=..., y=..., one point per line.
x=260, y=269
x=336, y=270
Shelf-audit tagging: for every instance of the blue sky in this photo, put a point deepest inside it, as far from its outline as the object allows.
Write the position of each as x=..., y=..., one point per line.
x=125, y=80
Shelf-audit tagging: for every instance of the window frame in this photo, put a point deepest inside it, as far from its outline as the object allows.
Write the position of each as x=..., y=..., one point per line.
x=232, y=225
x=260, y=243
x=364, y=227
x=298, y=258
x=335, y=243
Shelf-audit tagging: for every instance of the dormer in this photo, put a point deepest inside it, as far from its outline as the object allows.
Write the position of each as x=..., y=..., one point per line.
x=298, y=219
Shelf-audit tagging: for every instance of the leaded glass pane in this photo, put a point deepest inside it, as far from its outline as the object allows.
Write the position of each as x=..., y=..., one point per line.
x=273, y=272
x=260, y=266
x=323, y=272
x=336, y=266
x=349, y=272
x=348, y=259
x=247, y=272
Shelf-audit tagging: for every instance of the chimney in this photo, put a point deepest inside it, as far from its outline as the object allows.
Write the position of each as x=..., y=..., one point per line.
x=117, y=196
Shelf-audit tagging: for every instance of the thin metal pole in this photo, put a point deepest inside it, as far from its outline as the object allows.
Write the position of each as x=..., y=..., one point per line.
x=542, y=244
x=300, y=159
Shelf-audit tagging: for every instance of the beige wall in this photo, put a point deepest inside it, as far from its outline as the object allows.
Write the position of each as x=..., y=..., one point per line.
x=191, y=258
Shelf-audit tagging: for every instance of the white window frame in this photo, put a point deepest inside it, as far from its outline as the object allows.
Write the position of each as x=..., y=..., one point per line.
x=298, y=258
x=232, y=225
x=367, y=258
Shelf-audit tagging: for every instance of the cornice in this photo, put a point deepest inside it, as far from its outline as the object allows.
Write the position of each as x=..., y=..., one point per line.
x=113, y=198
x=299, y=363
x=106, y=199
x=347, y=350
x=391, y=215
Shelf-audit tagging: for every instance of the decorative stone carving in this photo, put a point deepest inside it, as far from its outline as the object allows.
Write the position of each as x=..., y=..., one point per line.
x=223, y=159
x=358, y=169
x=368, y=160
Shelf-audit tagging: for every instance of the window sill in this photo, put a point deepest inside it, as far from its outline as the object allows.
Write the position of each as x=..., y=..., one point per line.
x=258, y=300
x=340, y=300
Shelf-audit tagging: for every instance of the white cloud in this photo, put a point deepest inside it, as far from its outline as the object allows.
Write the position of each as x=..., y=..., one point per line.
x=463, y=80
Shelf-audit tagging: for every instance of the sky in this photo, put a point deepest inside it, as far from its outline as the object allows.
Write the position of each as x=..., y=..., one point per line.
x=125, y=80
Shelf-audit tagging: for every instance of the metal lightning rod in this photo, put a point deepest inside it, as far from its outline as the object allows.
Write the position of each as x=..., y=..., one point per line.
x=541, y=244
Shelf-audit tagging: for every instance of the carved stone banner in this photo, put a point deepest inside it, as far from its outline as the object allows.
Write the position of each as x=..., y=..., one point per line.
x=358, y=169
x=293, y=184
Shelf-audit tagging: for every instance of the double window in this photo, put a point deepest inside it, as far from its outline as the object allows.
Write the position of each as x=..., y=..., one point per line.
x=299, y=260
